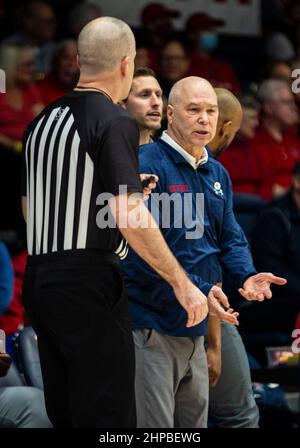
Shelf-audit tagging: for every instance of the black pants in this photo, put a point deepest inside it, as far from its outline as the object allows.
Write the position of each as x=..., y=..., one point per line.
x=77, y=304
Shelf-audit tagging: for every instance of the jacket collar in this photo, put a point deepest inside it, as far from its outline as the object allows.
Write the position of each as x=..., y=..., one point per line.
x=178, y=158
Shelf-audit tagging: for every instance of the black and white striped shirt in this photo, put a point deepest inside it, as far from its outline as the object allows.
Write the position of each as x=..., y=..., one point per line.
x=78, y=147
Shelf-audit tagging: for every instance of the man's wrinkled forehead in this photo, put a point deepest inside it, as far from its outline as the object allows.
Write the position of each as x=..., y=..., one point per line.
x=200, y=99
x=199, y=93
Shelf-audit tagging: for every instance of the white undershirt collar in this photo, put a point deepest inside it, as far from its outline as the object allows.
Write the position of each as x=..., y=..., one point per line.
x=188, y=157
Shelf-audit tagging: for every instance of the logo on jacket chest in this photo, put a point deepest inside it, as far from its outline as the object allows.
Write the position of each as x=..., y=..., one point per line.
x=218, y=189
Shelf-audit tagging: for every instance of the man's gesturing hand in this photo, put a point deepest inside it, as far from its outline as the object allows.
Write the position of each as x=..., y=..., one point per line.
x=193, y=301
x=257, y=287
x=217, y=301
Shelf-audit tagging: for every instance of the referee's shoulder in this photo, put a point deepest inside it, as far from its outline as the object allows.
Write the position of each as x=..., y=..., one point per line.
x=114, y=111
x=120, y=113
x=43, y=112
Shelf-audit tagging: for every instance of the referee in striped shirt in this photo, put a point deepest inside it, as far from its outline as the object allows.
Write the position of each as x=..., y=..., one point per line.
x=79, y=150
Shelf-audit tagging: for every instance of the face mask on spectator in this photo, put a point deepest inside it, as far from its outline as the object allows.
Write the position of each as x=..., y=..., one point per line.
x=208, y=41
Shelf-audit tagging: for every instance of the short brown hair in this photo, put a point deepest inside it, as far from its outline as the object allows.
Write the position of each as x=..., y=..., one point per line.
x=144, y=71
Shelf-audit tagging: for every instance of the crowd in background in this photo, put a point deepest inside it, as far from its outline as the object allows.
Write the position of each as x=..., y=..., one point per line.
x=38, y=54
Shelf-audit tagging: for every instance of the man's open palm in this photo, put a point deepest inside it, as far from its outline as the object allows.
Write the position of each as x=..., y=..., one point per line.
x=257, y=287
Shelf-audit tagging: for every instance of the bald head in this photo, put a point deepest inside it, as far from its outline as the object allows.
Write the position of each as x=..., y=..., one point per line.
x=187, y=86
x=230, y=108
x=229, y=121
x=103, y=43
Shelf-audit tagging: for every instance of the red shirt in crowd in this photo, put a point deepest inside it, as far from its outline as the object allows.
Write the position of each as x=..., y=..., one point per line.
x=217, y=72
x=14, y=317
x=242, y=165
x=14, y=121
x=50, y=90
x=276, y=160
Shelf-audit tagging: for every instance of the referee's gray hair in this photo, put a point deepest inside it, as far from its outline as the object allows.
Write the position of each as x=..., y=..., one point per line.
x=103, y=43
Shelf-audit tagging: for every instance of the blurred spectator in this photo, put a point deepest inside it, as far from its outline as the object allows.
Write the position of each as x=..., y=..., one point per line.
x=278, y=70
x=238, y=159
x=157, y=28
x=63, y=73
x=202, y=38
x=6, y=279
x=142, y=58
x=173, y=65
x=276, y=248
x=22, y=100
x=81, y=15
x=14, y=319
x=282, y=31
x=277, y=46
x=292, y=29
x=38, y=24
x=18, y=106
x=277, y=148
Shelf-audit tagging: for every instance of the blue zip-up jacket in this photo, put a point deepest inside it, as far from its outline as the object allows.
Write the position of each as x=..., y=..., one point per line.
x=223, y=245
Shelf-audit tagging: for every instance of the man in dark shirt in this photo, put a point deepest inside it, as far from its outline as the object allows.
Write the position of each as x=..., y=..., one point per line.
x=276, y=246
x=80, y=154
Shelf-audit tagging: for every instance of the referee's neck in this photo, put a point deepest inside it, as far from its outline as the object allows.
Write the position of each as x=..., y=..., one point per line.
x=106, y=84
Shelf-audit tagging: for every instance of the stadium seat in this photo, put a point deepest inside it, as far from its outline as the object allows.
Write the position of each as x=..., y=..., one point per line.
x=13, y=378
x=28, y=357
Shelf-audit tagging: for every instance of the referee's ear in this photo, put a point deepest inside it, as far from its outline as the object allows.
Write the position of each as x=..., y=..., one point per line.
x=125, y=65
